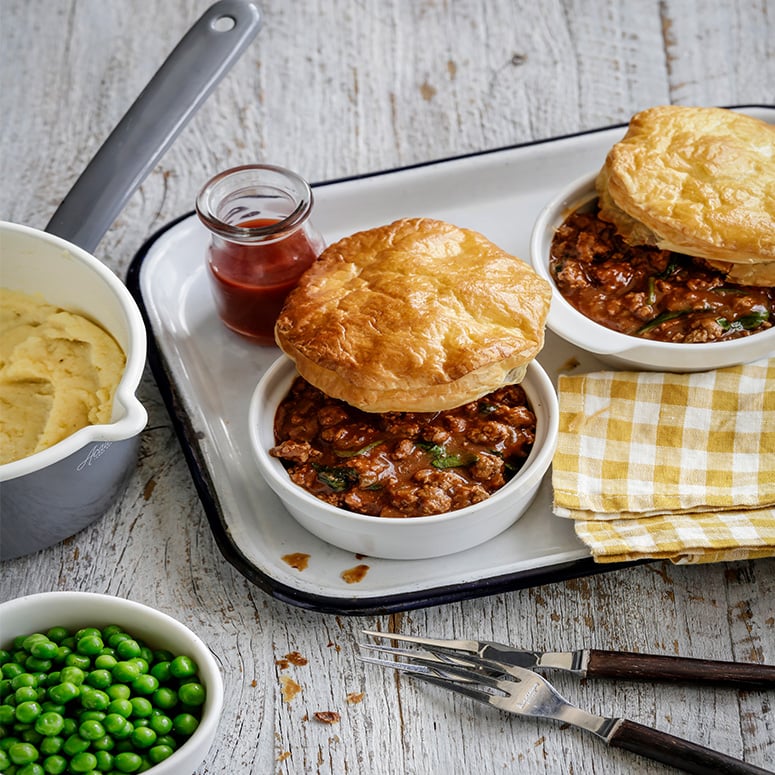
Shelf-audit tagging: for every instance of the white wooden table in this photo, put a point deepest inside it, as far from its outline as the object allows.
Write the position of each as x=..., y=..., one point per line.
x=335, y=88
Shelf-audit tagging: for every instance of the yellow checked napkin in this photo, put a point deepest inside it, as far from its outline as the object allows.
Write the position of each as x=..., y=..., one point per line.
x=677, y=466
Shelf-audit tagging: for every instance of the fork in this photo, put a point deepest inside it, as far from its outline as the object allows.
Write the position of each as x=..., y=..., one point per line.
x=599, y=663
x=520, y=691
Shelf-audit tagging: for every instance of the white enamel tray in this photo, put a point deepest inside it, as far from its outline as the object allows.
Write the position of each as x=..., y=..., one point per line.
x=207, y=375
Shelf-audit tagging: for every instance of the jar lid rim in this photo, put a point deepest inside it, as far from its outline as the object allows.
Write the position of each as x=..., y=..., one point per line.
x=279, y=228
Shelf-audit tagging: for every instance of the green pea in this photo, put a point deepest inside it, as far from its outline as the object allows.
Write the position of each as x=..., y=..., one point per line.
x=192, y=694
x=25, y=694
x=129, y=648
x=141, y=707
x=57, y=634
x=28, y=734
x=22, y=753
x=168, y=740
x=75, y=744
x=165, y=698
x=122, y=707
x=51, y=745
x=99, y=679
x=141, y=664
x=92, y=715
x=94, y=699
x=143, y=737
x=117, y=637
x=185, y=724
x=105, y=743
x=64, y=692
x=114, y=721
x=145, y=684
x=69, y=727
x=87, y=632
x=7, y=742
x=125, y=672
x=62, y=653
x=52, y=707
x=52, y=677
x=11, y=670
x=49, y=723
x=105, y=662
x=123, y=745
x=44, y=649
x=119, y=691
x=89, y=645
x=54, y=765
x=159, y=753
x=160, y=723
x=37, y=665
x=23, y=679
x=118, y=726
x=7, y=714
x=27, y=641
x=91, y=729
x=127, y=762
x=28, y=712
x=104, y=761
x=161, y=671
x=183, y=667
x=85, y=761
x=72, y=674
x=78, y=660
x=19, y=656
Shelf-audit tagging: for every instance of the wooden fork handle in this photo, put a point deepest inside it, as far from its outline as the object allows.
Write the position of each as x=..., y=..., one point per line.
x=676, y=752
x=658, y=667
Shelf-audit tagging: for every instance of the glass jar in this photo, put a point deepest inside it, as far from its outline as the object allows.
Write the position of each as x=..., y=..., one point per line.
x=262, y=241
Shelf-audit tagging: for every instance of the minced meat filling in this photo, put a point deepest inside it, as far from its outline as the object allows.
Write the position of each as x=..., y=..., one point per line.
x=650, y=293
x=402, y=464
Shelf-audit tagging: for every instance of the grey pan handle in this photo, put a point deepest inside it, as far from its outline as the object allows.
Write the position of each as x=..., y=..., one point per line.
x=174, y=94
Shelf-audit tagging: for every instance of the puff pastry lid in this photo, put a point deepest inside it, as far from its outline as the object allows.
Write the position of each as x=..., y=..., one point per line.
x=699, y=181
x=418, y=315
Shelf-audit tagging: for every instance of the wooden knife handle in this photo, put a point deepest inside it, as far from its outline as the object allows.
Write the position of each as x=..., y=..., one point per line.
x=658, y=667
x=676, y=752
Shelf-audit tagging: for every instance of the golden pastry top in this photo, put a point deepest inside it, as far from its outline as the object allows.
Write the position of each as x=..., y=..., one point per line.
x=699, y=181
x=417, y=315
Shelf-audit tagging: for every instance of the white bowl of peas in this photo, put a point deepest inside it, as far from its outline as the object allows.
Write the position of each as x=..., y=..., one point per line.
x=95, y=682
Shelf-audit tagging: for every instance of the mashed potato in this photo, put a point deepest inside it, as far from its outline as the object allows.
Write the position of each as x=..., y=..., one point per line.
x=58, y=373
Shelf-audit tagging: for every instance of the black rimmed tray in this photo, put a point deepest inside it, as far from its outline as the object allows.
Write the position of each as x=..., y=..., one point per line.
x=207, y=375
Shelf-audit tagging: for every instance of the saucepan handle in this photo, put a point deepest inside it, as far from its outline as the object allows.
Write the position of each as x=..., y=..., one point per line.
x=174, y=94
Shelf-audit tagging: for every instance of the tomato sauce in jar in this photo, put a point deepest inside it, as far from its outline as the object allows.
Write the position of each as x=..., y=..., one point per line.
x=262, y=241
x=251, y=280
